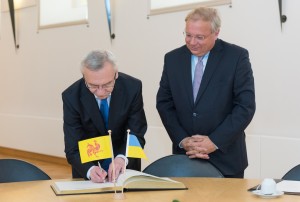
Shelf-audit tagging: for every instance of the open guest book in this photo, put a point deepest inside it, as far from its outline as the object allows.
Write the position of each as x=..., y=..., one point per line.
x=131, y=180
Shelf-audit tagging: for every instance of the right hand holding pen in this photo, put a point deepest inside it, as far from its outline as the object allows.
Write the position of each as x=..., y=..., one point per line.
x=98, y=174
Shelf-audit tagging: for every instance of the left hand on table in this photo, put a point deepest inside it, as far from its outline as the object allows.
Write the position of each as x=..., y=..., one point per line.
x=119, y=168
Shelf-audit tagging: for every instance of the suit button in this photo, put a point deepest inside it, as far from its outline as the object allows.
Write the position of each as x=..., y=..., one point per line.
x=195, y=114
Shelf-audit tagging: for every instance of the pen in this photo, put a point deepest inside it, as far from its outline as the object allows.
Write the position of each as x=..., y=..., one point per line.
x=101, y=170
x=100, y=166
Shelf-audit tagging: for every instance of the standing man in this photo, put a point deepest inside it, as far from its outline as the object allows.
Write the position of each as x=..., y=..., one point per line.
x=206, y=96
x=83, y=104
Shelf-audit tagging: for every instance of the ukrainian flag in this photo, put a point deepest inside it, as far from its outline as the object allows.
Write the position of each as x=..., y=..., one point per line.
x=134, y=148
x=95, y=148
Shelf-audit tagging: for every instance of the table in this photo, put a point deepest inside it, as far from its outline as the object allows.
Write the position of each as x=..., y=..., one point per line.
x=200, y=189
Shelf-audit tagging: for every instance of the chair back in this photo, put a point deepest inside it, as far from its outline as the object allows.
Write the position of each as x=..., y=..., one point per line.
x=15, y=170
x=293, y=174
x=182, y=166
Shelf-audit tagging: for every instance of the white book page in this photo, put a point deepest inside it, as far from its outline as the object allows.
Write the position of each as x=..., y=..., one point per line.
x=288, y=186
x=130, y=173
x=85, y=185
x=81, y=185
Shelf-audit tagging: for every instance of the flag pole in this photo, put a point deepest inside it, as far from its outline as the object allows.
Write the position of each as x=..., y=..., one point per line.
x=112, y=161
x=116, y=195
x=127, y=144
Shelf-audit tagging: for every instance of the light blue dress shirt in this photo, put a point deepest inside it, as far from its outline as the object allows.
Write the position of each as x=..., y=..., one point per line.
x=195, y=61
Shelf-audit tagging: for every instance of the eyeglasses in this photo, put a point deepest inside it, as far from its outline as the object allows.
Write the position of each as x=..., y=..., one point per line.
x=108, y=86
x=198, y=38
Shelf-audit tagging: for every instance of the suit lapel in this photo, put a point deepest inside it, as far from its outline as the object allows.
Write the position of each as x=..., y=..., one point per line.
x=214, y=58
x=91, y=106
x=187, y=75
x=116, y=102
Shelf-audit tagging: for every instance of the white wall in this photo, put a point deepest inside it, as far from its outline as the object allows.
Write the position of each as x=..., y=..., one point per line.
x=33, y=77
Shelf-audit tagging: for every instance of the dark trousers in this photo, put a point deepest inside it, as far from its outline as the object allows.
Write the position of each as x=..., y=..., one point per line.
x=238, y=175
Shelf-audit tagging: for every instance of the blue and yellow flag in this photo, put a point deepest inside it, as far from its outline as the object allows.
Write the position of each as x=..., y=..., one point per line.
x=95, y=148
x=134, y=148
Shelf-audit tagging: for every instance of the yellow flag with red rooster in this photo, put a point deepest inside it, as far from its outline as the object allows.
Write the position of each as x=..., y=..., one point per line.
x=95, y=149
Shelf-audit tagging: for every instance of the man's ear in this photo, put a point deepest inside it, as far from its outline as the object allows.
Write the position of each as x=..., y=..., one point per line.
x=216, y=34
x=117, y=75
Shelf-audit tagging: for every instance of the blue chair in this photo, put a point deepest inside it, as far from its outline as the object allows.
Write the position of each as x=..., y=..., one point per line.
x=182, y=166
x=293, y=174
x=15, y=170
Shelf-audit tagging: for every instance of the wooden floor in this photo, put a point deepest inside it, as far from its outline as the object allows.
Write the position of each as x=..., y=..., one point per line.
x=56, y=170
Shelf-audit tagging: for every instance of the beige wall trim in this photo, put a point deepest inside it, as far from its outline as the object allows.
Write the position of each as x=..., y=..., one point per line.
x=55, y=25
x=32, y=155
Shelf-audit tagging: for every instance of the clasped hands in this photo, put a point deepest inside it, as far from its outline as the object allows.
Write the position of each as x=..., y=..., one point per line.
x=198, y=146
x=99, y=175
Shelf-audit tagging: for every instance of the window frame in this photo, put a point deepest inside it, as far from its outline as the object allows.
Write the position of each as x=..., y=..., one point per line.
x=187, y=6
x=59, y=24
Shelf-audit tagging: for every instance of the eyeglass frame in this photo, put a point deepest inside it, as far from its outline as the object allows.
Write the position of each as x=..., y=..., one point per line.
x=106, y=86
x=198, y=38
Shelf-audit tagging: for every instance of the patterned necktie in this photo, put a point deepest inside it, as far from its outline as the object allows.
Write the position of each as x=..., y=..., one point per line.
x=104, y=111
x=197, y=77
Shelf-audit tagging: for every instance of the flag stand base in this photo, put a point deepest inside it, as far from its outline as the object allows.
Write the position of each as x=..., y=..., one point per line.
x=119, y=196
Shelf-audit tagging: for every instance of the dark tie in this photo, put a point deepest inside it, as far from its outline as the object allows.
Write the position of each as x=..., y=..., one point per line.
x=197, y=77
x=104, y=111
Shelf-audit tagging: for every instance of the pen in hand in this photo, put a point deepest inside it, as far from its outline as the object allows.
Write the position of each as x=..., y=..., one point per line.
x=101, y=169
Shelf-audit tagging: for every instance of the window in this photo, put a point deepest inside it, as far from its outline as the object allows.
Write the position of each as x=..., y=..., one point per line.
x=57, y=13
x=166, y=6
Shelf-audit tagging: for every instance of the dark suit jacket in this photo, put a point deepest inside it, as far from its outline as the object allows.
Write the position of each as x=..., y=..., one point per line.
x=224, y=106
x=83, y=120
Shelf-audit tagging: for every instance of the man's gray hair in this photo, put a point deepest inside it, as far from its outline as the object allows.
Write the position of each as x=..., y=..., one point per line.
x=206, y=14
x=95, y=60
